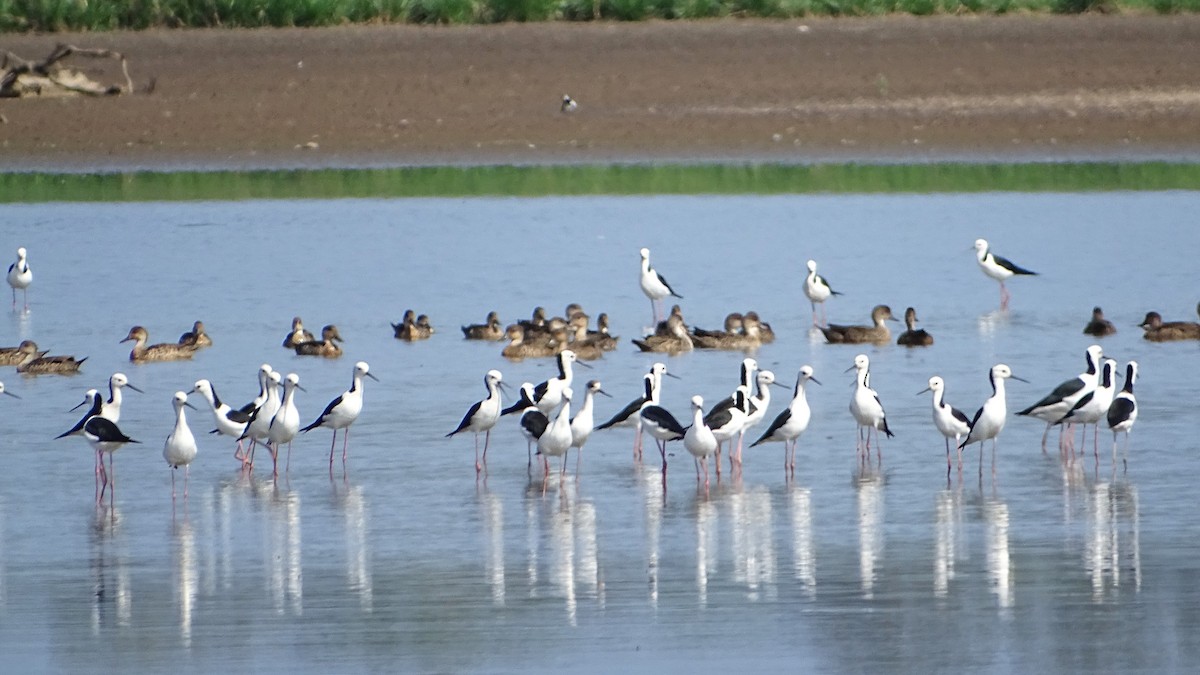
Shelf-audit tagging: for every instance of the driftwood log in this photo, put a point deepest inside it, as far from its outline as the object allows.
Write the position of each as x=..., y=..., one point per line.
x=49, y=77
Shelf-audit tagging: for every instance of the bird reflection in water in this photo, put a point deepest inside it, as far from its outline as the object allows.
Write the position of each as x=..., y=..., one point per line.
x=589, y=551
x=999, y=561
x=653, y=497
x=562, y=571
x=112, y=592
x=948, y=538
x=752, y=541
x=492, y=516
x=566, y=525
x=1113, y=555
x=533, y=498
x=869, y=483
x=353, y=504
x=804, y=559
x=992, y=321
x=186, y=579
x=706, y=546
x=281, y=548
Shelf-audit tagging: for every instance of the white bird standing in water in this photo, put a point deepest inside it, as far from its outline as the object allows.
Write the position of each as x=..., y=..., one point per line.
x=180, y=447
x=989, y=419
x=654, y=286
x=483, y=415
x=556, y=439
x=792, y=422
x=1093, y=407
x=998, y=268
x=259, y=426
x=699, y=439
x=950, y=421
x=344, y=410
x=584, y=421
x=817, y=290
x=19, y=277
x=285, y=424
x=1123, y=413
x=867, y=409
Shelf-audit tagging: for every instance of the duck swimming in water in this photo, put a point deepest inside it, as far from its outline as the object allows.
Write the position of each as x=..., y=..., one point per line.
x=1099, y=326
x=196, y=337
x=1157, y=331
x=491, y=329
x=160, y=352
x=11, y=356
x=913, y=337
x=37, y=363
x=675, y=341
x=325, y=346
x=297, y=335
x=862, y=334
x=518, y=348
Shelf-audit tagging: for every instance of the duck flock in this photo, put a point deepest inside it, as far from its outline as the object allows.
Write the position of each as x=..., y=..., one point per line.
x=555, y=416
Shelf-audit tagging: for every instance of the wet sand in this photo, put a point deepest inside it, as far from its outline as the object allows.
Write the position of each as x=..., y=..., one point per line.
x=889, y=89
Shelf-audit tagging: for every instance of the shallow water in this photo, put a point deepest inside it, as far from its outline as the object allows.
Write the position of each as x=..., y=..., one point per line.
x=403, y=561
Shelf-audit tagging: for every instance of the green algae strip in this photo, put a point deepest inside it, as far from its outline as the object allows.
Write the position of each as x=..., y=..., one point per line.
x=637, y=179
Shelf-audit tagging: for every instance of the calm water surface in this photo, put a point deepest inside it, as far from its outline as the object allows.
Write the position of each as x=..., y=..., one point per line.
x=403, y=561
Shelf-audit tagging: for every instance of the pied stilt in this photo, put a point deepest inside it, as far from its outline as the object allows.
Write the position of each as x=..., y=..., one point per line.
x=483, y=415
x=1123, y=413
x=817, y=289
x=19, y=277
x=791, y=422
x=998, y=268
x=699, y=439
x=555, y=439
x=344, y=410
x=1052, y=407
x=180, y=446
x=989, y=419
x=584, y=421
x=867, y=409
x=950, y=421
x=654, y=286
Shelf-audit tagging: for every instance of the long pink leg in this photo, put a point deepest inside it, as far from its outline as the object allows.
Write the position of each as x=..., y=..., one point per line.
x=172, y=484
x=100, y=472
x=487, y=439
x=332, y=444
x=186, y=471
x=345, y=443
x=478, y=466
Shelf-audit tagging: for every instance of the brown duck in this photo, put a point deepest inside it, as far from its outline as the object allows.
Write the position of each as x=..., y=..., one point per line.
x=37, y=363
x=862, y=334
x=913, y=337
x=161, y=352
x=196, y=337
x=1157, y=331
x=325, y=346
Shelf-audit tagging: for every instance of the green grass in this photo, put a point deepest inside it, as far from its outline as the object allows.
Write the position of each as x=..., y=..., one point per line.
x=99, y=15
x=537, y=181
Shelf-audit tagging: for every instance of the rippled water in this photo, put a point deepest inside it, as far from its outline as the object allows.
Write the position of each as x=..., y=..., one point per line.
x=403, y=561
